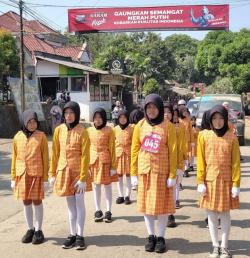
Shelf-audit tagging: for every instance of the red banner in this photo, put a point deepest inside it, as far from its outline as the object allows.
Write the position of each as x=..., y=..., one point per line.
x=191, y=17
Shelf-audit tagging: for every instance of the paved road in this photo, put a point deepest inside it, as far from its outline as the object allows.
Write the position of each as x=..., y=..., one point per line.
x=125, y=236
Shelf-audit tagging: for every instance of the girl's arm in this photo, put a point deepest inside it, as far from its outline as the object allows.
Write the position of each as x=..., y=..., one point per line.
x=135, y=148
x=201, y=162
x=13, y=160
x=112, y=149
x=172, y=150
x=85, y=155
x=45, y=158
x=236, y=163
x=55, y=152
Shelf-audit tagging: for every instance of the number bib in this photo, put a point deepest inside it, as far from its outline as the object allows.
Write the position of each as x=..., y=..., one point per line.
x=151, y=143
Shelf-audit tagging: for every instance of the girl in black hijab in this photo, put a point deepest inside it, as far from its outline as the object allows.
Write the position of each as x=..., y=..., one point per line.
x=100, y=118
x=102, y=163
x=217, y=114
x=123, y=114
x=154, y=109
x=71, y=114
x=169, y=112
x=205, y=121
x=135, y=116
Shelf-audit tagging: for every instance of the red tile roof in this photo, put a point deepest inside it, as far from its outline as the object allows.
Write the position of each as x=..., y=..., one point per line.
x=11, y=21
x=33, y=43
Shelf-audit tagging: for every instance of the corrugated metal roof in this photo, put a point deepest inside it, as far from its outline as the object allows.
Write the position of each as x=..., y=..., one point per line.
x=73, y=65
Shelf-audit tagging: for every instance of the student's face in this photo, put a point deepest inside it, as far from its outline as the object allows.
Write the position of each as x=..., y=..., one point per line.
x=218, y=121
x=193, y=122
x=167, y=114
x=98, y=120
x=152, y=111
x=32, y=125
x=175, y=119
x=123, y=119
x=185, y=114
x=69, y=116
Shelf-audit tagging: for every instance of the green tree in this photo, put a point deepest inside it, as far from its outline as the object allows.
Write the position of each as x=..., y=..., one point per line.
x=151, y=86
x=9, y=59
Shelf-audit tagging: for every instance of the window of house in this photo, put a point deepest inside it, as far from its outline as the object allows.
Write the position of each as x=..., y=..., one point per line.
x=94, y=87
x=63, y=84
x=105, y=92
x=79, y=84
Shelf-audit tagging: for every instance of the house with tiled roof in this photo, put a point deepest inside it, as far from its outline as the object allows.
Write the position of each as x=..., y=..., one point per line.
x=58, y=67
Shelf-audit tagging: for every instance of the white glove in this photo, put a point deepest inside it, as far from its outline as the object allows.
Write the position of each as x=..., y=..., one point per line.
x=80, y=187
x=235, y=191
x=134, y=180
x=46, y=186
x=171, y=182
x=201, y=189
x=13, y=184
x=112, y=172
x=52, y=181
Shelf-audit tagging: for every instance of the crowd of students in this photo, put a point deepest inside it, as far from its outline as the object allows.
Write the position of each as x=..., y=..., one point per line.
x=151, y=151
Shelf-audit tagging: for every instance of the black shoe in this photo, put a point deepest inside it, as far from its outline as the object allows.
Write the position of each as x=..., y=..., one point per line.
x=108, y=217
x=171, y=222
x=150, y=244
x=185, y=174
x=119, y=200
x=70, y=242
x=27, y=238
x=38, y=237
x=206, y=221
x=127, y=200
x=80, y=243
x=177, y=204
x=181, y=187
x=98, y=216
x=191, y=168
x=160, y=246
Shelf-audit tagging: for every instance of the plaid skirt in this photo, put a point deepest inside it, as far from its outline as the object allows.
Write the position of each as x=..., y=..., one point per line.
x=123, y=165
x=29, y=188
x=218, y=196
x=154, y=197
x=100, y=173
x=66, y=180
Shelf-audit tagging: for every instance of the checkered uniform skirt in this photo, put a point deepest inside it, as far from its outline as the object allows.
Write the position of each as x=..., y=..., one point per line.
x=100, y=173
x=153, y=197
x=29, y=187
x=123, y=165
x=218, y=196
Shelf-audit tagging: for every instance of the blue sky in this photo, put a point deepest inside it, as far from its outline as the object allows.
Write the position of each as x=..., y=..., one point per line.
x=239, y=11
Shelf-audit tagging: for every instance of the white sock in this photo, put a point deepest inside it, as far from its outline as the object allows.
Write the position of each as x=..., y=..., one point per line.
x=174, y=193
x=213, y=227
x=177, y=191
x=81, y=213
x=38, y=216
x=28, y=214
x=128, y=186
x=162, y=224
x=108, y=194
x=186, y=164
x=97, y=196
x=71, y=202
x=120, y=186
x=225, y=228
x=150, y=224
x=192, y=161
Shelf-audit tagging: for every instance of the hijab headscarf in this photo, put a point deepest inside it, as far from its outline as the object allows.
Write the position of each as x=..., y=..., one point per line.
x=26, y=117
x=171, y=109
x=103, y=115
x=135, y=116
x=182, y=109
x=125, y=113
x=221, y=110
x=76, y=109
x=205, y=121
x=157, y=101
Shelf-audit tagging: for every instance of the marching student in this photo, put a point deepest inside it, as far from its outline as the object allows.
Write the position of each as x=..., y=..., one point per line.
x=69, y=171
x=153, y=166
x=123, y=139
x=218, y=177
x=196, y=131
x=29, y=174
x=186, y=121
x=102, y=162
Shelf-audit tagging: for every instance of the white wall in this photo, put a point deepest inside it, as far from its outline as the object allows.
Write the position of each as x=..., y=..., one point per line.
x=44, y=68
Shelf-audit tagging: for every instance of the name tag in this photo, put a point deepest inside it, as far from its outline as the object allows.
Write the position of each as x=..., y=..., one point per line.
x=151, y=143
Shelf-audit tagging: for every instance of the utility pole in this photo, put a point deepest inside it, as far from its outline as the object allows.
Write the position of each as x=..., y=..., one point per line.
x=22, y=57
